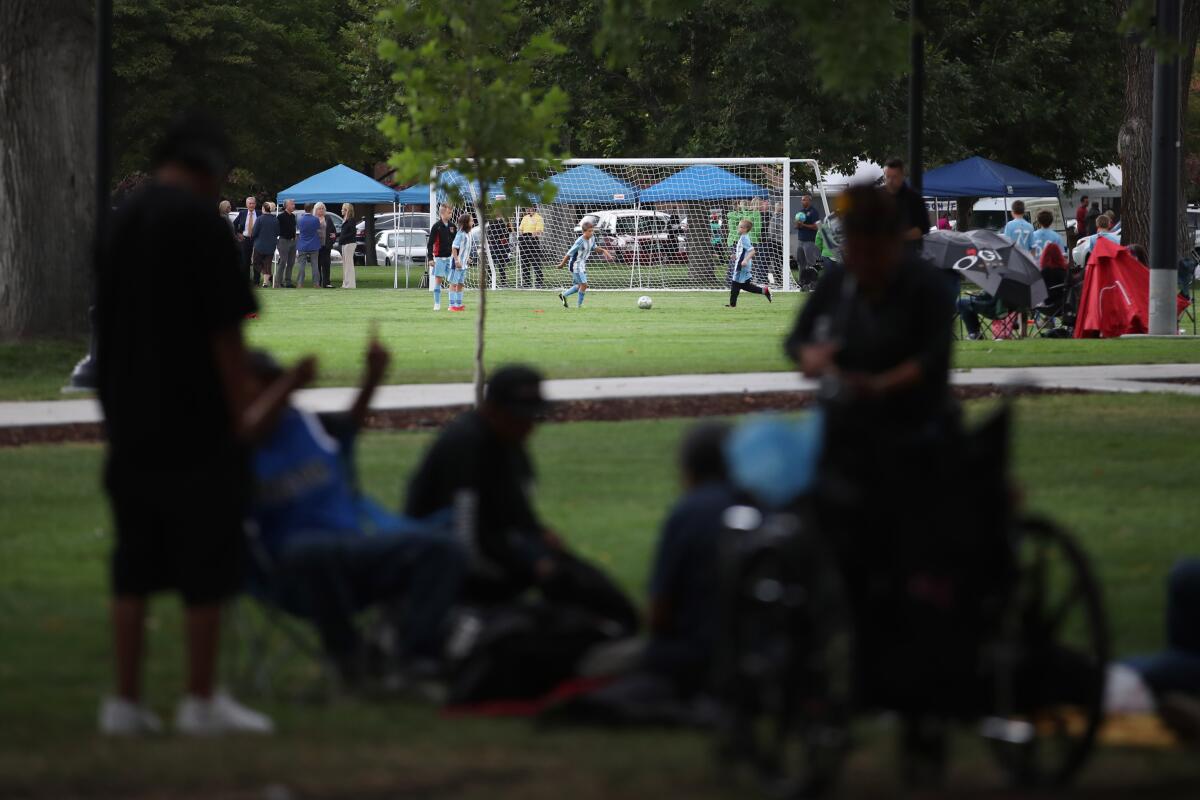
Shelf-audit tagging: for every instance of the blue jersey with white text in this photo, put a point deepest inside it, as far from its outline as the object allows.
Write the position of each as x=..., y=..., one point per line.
x=1018, y=232
x=1042, y=237
x=580, y=252
x=742, y=256
x=302, y=482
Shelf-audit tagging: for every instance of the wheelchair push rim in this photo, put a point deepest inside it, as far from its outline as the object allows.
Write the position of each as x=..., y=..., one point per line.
x=1049, y=663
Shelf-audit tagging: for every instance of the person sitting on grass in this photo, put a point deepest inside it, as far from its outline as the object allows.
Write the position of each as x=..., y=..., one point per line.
x=576, y=261
x=479, y=471
x=743, y=259
x=327, y=552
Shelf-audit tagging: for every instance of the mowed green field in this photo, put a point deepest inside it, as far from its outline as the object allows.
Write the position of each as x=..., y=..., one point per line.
x=1119, y=471
x=685, y=332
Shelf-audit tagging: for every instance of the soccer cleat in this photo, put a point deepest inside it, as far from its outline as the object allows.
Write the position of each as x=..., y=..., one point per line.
x=119, y=717
x=563, y=297
x=437, y=306
x=219, y=715
x=767, y=294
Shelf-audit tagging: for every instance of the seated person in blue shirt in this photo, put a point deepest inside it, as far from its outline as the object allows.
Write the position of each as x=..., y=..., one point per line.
x=684, y=602
x=327, y=552
x=1018, y=230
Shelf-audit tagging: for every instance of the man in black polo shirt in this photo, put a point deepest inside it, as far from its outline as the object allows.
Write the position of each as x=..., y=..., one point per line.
x=478, y=468
x=179, y=417
x=910, y=206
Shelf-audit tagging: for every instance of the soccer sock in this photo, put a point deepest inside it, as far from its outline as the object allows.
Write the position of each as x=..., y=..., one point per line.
x=581, y=294
x=458, y=299
x=735, y=289
x=437, y=294
x=570, y=291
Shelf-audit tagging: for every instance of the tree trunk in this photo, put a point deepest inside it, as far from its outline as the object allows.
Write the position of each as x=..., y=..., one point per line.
x=1135, y=136
x=480, y=375
x=47, y=166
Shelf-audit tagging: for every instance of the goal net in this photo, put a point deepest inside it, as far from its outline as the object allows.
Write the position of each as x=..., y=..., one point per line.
x=666, y=223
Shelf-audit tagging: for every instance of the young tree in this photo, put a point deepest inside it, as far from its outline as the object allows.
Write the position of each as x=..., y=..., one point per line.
x=466, y=98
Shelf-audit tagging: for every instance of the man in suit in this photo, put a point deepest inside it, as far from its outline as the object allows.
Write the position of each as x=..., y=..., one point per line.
x=243, y=230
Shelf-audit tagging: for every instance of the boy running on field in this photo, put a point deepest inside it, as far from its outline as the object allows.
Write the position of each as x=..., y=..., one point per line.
x=576, y=260
x=742, y=260
x=460, y=255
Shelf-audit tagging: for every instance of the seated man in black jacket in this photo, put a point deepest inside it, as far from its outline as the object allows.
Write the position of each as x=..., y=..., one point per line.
x=478, y=467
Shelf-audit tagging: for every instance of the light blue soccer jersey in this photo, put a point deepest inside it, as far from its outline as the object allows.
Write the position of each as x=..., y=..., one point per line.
x=580, y=252
x=1042, y=237
x=1018, y=232
x=462, y=243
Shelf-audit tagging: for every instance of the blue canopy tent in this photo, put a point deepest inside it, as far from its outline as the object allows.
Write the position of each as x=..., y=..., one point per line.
x=469, y=192
x=340, y=183
x=701, y=182
x=590, y=185
x=980, y=177
x=417, y=195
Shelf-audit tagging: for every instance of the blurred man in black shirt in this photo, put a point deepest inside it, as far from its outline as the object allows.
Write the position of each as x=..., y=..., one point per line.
x=478, y=467
x=910, y=206
x=179, y=416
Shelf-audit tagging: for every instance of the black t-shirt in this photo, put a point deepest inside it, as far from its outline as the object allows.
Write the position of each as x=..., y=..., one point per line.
x=158, y=308
x=913, y=214
x=496, y=476
x=287, y=225
x=911, y=319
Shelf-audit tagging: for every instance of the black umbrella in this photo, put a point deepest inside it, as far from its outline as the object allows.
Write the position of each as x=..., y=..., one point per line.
x=992, y=263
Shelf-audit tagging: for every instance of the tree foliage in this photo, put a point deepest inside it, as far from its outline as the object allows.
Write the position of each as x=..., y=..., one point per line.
x=466, y=98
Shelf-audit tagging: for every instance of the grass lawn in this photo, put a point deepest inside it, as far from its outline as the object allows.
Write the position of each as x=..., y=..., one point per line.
x=685, y=332
x=1117, y=470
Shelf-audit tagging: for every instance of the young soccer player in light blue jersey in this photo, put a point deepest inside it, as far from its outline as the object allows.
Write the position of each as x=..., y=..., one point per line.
x=460, y=253
x=576, y=260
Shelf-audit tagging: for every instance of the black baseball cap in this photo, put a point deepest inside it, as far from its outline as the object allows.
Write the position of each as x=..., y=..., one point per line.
x=517, y=389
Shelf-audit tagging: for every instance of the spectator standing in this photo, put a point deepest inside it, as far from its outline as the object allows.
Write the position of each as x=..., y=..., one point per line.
x=529, y=245
x=943, y=222
x=1018, y=230
x=910, y=206
x=499, y=243
x=179, y=418
x=347, y=241
x=1103, y=231
x=308, y=246
x=329, y=237
x=1045, y=235
x=264, y=240
x=1081, y=212
x=287, y=245
x=243, y=229
x=1089, y=223
x=808, y=219
x=223, y=208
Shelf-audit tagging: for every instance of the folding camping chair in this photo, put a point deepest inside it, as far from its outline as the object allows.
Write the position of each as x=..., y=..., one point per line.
x=1061, y=302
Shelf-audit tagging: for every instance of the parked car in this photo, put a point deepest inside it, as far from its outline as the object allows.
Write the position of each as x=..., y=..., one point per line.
x=405, y=220
x=636, y=235
x=406, y=245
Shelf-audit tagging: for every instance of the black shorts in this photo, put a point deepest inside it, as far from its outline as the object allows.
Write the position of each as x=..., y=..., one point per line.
x=178, y=535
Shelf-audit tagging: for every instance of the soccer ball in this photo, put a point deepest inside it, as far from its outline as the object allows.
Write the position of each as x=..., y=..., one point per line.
x=645, y=302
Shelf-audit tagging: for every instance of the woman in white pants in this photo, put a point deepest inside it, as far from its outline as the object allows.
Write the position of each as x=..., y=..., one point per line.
x=347, y=240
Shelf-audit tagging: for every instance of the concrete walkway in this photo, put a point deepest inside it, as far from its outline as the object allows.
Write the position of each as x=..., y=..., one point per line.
x=1122, y=378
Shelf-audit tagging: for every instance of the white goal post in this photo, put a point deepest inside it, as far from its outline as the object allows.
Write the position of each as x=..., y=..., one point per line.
x=667, y=223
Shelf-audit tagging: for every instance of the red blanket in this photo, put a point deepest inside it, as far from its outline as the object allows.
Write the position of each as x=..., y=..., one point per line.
x=1116, y=294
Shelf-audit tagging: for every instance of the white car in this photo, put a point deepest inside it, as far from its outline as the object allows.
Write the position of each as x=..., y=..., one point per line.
x=404, y=246
x=634, y=234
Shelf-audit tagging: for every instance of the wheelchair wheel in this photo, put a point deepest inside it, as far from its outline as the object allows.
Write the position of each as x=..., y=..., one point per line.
x=1050, y=663
x=786, y=670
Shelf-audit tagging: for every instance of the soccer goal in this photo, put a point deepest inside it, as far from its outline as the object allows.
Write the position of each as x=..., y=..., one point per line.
x=668, y=223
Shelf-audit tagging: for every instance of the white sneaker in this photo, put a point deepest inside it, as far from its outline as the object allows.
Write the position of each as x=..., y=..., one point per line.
x=219, y=715
x=119, y=717
x=437, y=306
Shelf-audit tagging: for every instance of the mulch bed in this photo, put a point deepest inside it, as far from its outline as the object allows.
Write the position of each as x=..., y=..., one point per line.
x=711, y=405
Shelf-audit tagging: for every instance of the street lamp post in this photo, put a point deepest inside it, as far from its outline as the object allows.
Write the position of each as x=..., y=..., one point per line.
x=1164, y=173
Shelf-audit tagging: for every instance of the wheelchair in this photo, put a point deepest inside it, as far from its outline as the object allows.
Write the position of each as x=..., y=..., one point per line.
x=1007, y=632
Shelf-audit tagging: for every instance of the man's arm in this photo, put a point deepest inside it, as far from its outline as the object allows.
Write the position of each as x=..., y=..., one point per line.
x=253, y=415
x=377, y=364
